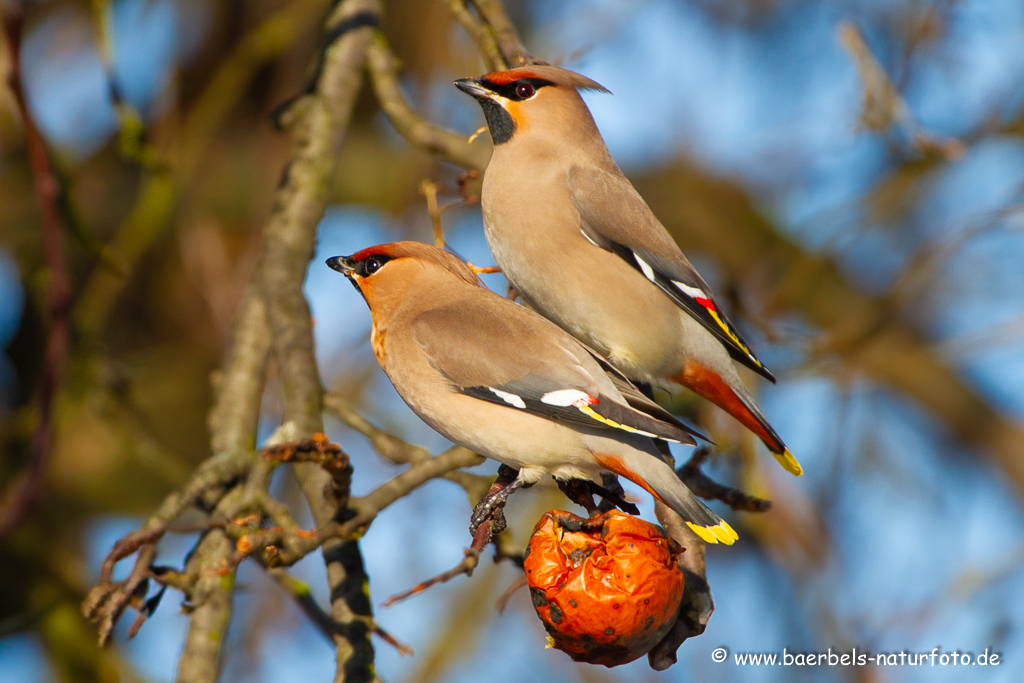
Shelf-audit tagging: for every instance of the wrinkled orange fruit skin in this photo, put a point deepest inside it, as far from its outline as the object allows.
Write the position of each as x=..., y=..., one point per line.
x=606, y=595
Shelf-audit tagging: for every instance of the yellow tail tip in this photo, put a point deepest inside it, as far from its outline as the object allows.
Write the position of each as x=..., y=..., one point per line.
x=726, y=534
x=788, y=462
x=720, y=533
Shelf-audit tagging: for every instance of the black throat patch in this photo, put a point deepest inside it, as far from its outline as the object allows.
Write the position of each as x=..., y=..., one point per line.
x=499, y=121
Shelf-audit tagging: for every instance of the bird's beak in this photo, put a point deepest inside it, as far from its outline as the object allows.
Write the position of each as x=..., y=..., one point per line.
x=471, y=86
x=342, y=264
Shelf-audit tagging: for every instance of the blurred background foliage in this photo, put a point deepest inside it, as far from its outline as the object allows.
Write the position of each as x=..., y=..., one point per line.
x=849, y=176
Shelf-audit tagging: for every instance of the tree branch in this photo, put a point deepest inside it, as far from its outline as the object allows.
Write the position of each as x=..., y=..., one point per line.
x=383, y=67
x=304, y=599
x=417, y=475
x=319, y=130
x=697, y=606
x=495, y=19
x=207, y=630
x=400, y=452
x=479, y=33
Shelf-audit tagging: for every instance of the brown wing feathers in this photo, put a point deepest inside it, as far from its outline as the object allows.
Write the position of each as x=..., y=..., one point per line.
x=522, y=361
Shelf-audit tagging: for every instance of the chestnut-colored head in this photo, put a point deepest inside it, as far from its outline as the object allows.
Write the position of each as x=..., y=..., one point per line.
x=520, y=102
x=390, y=275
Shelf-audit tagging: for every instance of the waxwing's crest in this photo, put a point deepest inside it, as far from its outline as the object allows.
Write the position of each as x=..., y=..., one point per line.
x=552, y=74
x=385, y=250
x=423, y=252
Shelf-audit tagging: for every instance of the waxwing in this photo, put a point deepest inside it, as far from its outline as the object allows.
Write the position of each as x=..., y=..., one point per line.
x=504, y=382
x=583, y=249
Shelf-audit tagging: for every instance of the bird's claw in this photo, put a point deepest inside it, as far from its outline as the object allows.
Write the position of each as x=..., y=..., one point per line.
x=488, y=509
x=582, y=492
x=490, y=506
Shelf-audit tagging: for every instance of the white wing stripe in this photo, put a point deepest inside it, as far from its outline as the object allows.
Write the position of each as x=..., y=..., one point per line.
x=645, y=267
x=691, y=292
x=563, y=398
x=508, y=398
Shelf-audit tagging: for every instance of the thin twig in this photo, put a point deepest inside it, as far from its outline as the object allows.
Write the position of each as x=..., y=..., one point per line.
x=303, y=597
x=385, y=444
x=883, y=105
x=454, y=458
x=709, y=489
x=502, y=601
x=488, y=528
x=428, y=188
x=105, y=607
x=23, y=493
x=383, y=68
x=495, y=18
x=466, y=566
x=286, y=544
x=479, y=33
x=132, y=138
x=401, y=452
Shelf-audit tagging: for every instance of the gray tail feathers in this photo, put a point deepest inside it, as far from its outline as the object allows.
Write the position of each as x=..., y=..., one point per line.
x=754, y=420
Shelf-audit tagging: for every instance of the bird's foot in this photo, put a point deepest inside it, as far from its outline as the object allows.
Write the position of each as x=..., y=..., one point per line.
x=613, y=495
x=579, y=491
x=483, y=270
x=582, y=492
x=490, y=508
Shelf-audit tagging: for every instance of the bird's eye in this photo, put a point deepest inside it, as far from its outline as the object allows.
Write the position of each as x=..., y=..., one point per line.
x=524, y=91
x=372, y=265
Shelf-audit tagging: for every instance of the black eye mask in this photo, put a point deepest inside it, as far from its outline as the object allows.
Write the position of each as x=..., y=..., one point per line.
x=371, y=264
x=510, y=90
x=499, y=121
